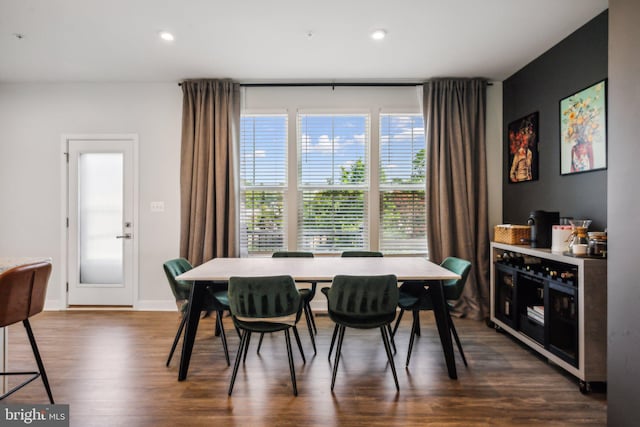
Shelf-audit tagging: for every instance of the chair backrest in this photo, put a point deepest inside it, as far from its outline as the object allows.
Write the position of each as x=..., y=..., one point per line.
x=266, y=296
x=173, y=268
x=22, y=292
x=292, y=254
x=355, y=254
x=363, y=296
x=453, y=288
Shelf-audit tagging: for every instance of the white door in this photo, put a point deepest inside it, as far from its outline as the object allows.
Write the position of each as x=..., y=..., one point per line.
x=101, y=230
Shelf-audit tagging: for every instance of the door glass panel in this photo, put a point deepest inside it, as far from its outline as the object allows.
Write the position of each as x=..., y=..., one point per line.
x=101, y=215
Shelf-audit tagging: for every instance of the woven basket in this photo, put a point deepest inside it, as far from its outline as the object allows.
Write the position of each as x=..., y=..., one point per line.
x=512, y=234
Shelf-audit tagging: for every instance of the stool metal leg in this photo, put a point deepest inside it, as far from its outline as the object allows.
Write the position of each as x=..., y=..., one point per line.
x=36, y=353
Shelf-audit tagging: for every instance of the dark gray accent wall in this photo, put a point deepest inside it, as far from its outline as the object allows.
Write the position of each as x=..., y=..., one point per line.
x=623, y=344
x=573, y=64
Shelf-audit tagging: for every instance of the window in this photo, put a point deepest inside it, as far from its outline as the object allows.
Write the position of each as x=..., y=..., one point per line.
x=263, y=182
x=326, y=201
x=333, y=182
x=402, y=184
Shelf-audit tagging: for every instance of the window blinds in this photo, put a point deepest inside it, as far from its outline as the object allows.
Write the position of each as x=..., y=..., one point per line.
x=402, y=184
x=263, y=180
x=333, y=182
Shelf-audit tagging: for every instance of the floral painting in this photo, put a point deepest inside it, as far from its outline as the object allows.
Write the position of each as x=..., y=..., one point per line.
x=583, y=130
x=523, y=149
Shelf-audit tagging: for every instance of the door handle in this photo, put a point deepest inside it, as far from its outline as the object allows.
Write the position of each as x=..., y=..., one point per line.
x=124, y=236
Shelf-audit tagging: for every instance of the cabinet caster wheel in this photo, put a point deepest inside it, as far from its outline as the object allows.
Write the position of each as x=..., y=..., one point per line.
x=585, y=387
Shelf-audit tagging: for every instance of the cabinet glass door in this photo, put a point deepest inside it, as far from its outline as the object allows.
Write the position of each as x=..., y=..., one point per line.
x=531, y=306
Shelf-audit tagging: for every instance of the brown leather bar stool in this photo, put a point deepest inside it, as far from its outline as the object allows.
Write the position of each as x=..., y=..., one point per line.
x=22, y=293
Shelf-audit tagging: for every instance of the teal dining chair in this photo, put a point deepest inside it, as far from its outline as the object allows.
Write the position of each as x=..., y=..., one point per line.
x=265, y=304
x=216, y=300
x=363, y=302
x=351, y=254
x=307, y=295
x=415, y=297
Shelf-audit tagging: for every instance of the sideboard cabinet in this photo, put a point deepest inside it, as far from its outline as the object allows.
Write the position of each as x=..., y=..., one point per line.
x=554, y=303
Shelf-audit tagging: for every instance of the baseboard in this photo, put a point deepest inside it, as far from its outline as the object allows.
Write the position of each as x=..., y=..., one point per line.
x=155, y=305
x=54, y=305
x=142, y=305
x=319, y=306
x=165, y=305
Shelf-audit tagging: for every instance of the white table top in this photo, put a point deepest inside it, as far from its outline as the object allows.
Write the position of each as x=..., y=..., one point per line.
x=10, y=262
x=319, y=269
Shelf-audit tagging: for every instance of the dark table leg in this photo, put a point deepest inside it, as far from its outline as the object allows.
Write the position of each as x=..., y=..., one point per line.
x=193, y=318
x=440, y=311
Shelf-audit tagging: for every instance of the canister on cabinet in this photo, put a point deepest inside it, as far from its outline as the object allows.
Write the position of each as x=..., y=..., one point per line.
x=598, y=243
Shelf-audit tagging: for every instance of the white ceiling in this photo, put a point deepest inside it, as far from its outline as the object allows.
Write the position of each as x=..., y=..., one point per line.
x=267, y=40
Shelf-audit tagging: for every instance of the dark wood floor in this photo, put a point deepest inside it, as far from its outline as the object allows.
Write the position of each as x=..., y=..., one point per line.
x=110, y=368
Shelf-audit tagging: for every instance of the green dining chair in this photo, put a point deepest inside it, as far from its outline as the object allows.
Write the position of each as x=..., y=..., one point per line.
x=216, y=300
x=307, y=295
x=351, y=254
x=265, y=304
x=354, y=254
x=363, y=302
x=415, y=297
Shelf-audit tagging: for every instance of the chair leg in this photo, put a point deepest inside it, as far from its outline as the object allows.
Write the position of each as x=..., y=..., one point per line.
x=416, y=315
x=393, y=343
x=338, y=351
x=387, y=347
x=455, y=336
x=313, y=320
x=260, y=342
x=307, y=316
x=412, y=336
x=177, y=338
x=333, y=339
x=290, y=355
x=223, y=336
x=246, y=346
x=297, y=336
x=395, y=328
x=36, y=353
x=238, y=358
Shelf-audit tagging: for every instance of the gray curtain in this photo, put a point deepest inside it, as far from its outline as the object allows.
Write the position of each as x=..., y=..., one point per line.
x=457, y=209
x=208, y=181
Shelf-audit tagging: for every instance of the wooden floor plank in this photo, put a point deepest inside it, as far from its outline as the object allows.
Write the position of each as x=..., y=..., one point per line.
x=110, y=368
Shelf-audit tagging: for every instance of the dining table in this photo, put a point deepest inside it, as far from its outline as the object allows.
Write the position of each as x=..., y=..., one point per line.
x=321, y=269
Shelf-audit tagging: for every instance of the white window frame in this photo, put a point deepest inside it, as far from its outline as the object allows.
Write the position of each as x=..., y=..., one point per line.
x=393, y=187
x=285, y=188
x=292, y=188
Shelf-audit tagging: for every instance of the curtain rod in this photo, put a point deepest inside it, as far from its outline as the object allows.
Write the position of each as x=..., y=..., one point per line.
x=333, y=85
x=326, y=84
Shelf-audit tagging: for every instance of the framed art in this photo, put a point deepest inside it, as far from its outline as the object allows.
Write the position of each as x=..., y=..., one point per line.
x=523, y=149
x=583, y=130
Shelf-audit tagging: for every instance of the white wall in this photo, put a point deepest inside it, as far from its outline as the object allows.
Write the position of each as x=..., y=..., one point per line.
x=32, y=119
x=623, y=210
x=34, y=116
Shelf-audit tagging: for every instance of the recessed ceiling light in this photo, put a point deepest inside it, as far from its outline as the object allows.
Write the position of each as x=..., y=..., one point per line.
x=166, y=36
x=378, y=34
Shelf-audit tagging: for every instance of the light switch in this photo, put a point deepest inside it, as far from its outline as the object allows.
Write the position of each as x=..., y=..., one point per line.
x=157, y=206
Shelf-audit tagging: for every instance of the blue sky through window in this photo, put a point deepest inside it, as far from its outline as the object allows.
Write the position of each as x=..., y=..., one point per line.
x=326, y=144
